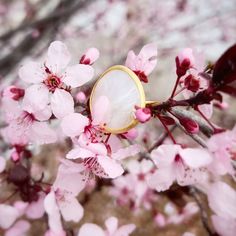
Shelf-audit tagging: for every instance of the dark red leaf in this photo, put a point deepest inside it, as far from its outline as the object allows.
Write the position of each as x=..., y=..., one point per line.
x=167, y=120
x=224, y=72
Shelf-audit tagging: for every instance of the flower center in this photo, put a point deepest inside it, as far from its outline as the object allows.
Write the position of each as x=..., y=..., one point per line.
x=52, y=82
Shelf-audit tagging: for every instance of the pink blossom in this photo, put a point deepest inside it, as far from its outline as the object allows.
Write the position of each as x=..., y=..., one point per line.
x=222, y=198
x=186, y=166
x=20, y=228
x=67, y=186
x=50, y=83
x=112, y=229
x=222, y=147
x=90, y=56
x=143, y=63
x=54, y=217
x=8, y=215
x=143, y=114
x=26, y=124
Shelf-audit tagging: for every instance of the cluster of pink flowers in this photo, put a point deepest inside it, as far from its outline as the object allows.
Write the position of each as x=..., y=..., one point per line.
x=51, y=108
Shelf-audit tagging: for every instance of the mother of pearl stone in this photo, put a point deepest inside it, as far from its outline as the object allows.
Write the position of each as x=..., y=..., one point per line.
x=124, y=90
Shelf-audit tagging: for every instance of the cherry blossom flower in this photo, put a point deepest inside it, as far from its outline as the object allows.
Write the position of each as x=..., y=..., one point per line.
x=50, y=83
x=174, y=163
x=143, y=63
x=64, y=191
x=112, y=229
x=222, y=146
x=26, y=124
x=222, y=198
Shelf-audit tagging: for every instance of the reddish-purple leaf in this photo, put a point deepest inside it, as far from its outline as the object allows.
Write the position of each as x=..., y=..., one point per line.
x=224, y=72
x=167, y=120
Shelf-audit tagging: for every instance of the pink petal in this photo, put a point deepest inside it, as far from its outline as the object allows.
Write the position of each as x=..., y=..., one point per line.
x=130, y=60
x=77, y=75
x=70, y=209
x=79, y=153
x=32, y=72
x=20, y=228
x=196, y=158
x=90, y=56
x=69, y=178
x=54, y=217
x=99, y=111
x=222, y=198
x=91, y=229
x=8, y=215
x=111, y=224
x=165, y=154
x=73, y=124
x=110, y=167
x=162, y=179
x=62, y=103
x=96, y=148
x=41, y=133
x=43, y=115
x=35, y=210
x=126, y=152
x=2, y=164
x=36, y=98
x=224, y=226
x=149, y=54
x=58, y=57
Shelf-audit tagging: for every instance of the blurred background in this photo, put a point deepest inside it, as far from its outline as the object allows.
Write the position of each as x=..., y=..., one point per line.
x=114, y=27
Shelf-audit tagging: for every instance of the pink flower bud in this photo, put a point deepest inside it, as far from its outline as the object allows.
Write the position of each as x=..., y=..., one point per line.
x=191, y=83
x=14, y=92
x=190, y=126
x=143, y=114
x=131, y=134
x=90, y=56
x=80, y=97
x=184, y=61
x=15, y=156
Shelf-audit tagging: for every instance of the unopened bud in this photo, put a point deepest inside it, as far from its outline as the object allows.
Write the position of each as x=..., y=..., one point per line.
x=14, y=92
x=143, y=114
x=190, y=126
x=90, y=56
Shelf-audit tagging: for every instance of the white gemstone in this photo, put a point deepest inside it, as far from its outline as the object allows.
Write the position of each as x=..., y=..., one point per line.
x=123, y=94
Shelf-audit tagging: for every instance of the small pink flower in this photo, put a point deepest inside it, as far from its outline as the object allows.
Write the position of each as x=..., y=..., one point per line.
x=90, y=56
x=53, y=80
x=143, y=114
x=143, y=63
x=8, y=215
x=186, y=166
x=18, y=229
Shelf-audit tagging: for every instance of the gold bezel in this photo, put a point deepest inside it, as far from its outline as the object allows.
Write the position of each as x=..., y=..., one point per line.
x=138, y=84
